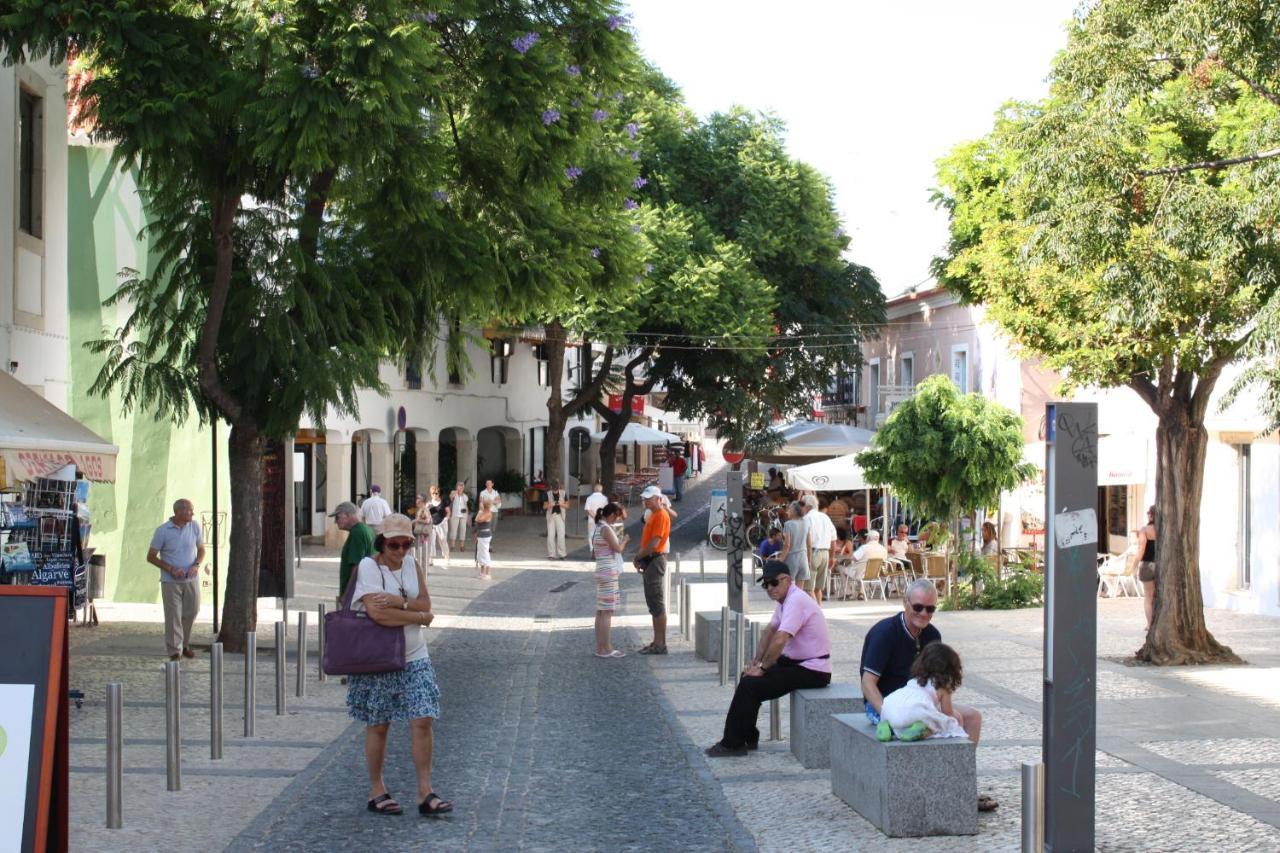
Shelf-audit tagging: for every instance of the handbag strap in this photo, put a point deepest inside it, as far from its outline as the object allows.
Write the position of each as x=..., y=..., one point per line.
x=351, y=584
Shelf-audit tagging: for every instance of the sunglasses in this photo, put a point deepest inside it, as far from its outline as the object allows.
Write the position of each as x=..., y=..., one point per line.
x=772, y=582
x=924, y=608
x=398, y=545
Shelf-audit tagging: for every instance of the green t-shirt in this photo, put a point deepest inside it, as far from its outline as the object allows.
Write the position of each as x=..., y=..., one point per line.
x=359, y=545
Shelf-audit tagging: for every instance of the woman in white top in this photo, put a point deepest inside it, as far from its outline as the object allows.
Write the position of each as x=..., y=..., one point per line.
x=391, y=589
x=607, y=548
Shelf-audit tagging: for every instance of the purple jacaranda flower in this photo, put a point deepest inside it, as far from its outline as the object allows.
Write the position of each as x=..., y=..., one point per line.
x=428, y=17
x=639, y=183
x=310, y=70
x=838, y=233
x=635, y=155
x=632, y=129
x=615, y=22
x=629, y=204
x=440, y=195
x=525, y=42
x=648, y=268
x=277, y=18
x=573, y=173
x=359, y=13
x=573, y=70
x=599, y=115
x=595, y=253
x=635, y=229
x=550, y=117
x=619, y=97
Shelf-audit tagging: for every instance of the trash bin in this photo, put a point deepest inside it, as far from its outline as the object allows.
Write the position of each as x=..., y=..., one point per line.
x=98, y=576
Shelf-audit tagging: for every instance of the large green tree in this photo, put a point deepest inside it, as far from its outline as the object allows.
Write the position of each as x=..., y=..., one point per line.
x=1125, y=229
x=324, y=181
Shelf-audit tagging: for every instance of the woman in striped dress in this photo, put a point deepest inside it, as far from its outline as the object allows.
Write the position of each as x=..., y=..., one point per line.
x=607, y=548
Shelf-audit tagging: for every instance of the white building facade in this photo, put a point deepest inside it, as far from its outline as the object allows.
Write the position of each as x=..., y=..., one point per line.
x=33, y=227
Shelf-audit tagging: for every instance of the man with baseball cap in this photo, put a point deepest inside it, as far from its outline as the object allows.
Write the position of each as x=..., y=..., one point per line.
x=794, y=654
x=359, y=542
x=651, y=561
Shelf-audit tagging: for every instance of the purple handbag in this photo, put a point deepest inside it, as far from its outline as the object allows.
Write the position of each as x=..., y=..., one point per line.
x=356, y=645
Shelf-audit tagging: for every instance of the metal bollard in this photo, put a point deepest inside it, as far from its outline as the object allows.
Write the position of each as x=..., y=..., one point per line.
x=775, y=719
x=115, y=755
x=677, y=565
x=215, y=701
x=724, y=646
x=302, y=654
x=756, y=631
x=685, y=628
x=1032, y=807
x=250, y=681
x=282, y=651
x=172, y=724
x=320, y=676
x=739, y=646
x=702, y=565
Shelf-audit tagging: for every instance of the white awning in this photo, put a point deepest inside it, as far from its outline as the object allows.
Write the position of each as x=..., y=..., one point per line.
x=37, y=438
x=806, y=441
x=641, y=434
x=841, y=474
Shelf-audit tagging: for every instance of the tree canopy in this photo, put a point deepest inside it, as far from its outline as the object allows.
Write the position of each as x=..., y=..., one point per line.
x=945, y=453
x=1124, y=228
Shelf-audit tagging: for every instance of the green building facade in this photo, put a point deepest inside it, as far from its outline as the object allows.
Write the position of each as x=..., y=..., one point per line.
x=158, y=462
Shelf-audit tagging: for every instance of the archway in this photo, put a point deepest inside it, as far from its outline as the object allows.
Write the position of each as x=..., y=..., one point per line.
x=456, y=458
x=368, y=454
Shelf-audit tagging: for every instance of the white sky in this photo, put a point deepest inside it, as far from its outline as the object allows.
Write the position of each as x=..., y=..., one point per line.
x=872, y=93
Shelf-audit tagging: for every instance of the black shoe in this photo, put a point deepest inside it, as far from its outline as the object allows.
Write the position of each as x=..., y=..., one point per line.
x=753, y=745
x=719, y=750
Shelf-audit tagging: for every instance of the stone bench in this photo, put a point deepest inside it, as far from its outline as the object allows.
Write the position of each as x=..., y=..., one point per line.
x=706, y=636
x=811, y=712
x=929, y=787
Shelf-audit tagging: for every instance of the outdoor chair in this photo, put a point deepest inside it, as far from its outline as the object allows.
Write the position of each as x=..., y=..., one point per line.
x=935, y=569
x=897, y=573
x=871, y=579
x=1114, y=577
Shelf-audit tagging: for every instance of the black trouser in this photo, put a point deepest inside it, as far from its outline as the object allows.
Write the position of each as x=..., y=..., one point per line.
x=753, y=690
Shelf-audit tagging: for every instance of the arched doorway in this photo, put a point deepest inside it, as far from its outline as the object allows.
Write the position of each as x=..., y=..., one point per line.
x=579, y=455
x=491, y=454
x=366, y=459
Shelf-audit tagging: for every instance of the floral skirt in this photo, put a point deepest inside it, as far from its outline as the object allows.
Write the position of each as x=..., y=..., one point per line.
x=388, y=697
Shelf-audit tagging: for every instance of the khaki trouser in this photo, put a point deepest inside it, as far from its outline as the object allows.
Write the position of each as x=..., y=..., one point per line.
x=555, y=535
x=181, y=604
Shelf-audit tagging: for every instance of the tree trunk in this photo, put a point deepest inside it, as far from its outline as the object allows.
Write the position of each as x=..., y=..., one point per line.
x=1178, y=633
x=615, y=423
x=557, y=417
x=240, y=608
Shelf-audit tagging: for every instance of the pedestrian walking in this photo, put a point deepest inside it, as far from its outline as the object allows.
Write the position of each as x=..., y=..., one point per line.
x=375, y=509
x=458, y=504
x=651, y=562
x=607, y=547
x=494, y=497
x=422, y=531
x=678, y=469
x=391, y=589
x=795, y=543
x=177, y=550
x=555, y=507
x=1146, y=555
x=484, y=535
x=439, y=512
x=359, y=543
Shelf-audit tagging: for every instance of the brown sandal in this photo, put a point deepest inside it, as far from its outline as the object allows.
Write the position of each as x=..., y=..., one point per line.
x=384, y=804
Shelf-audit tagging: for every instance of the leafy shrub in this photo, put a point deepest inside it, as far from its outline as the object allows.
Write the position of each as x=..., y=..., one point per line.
x=510, y=482
x=980, y=589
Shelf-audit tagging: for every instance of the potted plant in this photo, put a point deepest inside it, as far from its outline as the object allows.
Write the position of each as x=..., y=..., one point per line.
x=511, y=485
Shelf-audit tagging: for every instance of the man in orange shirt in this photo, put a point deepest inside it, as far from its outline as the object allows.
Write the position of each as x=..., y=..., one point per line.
x=651, y=561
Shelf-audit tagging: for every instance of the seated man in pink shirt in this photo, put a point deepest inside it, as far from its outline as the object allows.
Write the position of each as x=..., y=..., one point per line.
x=794, y=654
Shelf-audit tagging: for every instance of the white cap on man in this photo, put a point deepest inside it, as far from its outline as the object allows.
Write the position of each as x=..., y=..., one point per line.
x=650, y=492
x=873, y=536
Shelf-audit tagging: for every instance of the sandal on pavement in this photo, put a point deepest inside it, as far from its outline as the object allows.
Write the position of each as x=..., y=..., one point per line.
x=613, y=654
x=384, y=804
x=653, y=650
x=987, y=804
x=433, y=806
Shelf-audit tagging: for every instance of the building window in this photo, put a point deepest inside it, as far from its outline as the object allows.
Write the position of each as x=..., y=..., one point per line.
x=413, y=374
x=960, y=367
x=30, y=163
x=873, y=389
x=1244, y=533
x=544, y=373
x=499, y=356
x=907, y=370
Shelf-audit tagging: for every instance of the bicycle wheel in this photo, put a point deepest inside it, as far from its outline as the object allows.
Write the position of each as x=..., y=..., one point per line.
x=755, y=535
x=716, y=536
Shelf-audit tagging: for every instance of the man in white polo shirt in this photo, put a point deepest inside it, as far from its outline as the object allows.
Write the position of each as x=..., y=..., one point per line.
x=822, y=532
x=594, y=502
x=375, y=509
x=177, y=549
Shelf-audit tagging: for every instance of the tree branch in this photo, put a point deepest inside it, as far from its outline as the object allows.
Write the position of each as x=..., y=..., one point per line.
x=1145, y=389
x=313, y=212
x=224, y=211
x=1252, y=84
x=1211, y=164
x=590, y=392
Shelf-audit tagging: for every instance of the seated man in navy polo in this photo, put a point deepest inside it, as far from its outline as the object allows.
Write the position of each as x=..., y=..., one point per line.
x=891, y=647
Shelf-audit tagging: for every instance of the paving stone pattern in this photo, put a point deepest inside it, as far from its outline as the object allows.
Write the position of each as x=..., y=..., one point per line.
x=540, y=745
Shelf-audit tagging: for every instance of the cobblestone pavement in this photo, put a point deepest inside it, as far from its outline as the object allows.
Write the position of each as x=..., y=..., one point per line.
x=543, y=746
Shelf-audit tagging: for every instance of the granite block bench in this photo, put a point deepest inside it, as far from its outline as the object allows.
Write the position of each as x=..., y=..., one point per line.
x=928, y=787
x=811, y=712
x=706, y=636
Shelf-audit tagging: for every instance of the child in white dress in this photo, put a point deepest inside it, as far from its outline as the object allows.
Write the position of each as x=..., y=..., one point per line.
x=923, y=707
